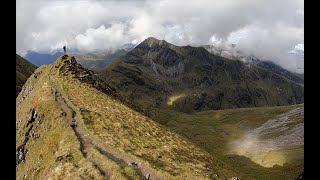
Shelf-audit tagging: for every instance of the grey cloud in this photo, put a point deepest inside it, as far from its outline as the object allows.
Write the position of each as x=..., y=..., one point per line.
x=268, y=28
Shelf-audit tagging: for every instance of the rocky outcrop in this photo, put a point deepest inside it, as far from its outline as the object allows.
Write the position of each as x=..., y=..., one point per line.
x=33, y=123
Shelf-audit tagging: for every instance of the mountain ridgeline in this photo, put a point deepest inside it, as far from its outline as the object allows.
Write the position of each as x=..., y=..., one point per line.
x=39, y=59
x=70, y=126
x=184, y=78
x=231, y=53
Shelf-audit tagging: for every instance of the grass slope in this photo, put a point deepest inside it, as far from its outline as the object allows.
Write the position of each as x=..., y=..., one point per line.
x=136, y=135
x=52, y=150
x=214, y=130
x=52, y=147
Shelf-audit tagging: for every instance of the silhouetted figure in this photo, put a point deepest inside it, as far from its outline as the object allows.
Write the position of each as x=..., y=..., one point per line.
x=64, y=49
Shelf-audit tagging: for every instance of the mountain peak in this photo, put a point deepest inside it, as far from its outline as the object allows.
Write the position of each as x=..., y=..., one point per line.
x=151, y=41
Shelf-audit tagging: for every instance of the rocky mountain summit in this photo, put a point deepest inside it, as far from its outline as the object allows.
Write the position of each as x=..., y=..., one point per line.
x=184, y=78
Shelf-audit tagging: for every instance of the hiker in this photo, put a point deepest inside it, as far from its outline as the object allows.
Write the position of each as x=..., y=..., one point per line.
x=64, y=49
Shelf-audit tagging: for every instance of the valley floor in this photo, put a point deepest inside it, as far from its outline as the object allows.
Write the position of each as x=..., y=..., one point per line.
x=263, y=142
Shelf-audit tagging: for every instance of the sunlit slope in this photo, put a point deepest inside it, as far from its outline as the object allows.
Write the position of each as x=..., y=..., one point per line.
x=263, y=143
x=135, y=135
x=67, y=129
x=46, y=146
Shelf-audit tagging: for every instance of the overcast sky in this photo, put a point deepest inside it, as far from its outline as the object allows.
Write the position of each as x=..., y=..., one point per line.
x=271, y=29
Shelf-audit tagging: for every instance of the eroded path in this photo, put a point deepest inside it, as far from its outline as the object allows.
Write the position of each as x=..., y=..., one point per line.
x=87, y=142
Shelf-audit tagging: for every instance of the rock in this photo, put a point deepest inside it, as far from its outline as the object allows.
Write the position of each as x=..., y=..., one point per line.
x=65, y=56
x=73, y=124
x=31, y=117
x=35, y=115
x=134, y=164
x=73, y=61
x=300, y=176
x=82, y=109
x=36, y=135
x=147, y=176
x=65, y=157
x=234, y=178
x=20, y=157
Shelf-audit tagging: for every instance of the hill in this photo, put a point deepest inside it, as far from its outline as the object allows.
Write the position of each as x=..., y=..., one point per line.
x=24, y=69
x=70, y=125
x=190, y=79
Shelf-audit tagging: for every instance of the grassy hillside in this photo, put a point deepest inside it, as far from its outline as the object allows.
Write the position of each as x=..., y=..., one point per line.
x=67, y=128
x=49, y=148
x=215, y=131
x=24, y=69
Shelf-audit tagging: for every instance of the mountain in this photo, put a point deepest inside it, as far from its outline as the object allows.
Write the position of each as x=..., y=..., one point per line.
x=99, y=59
x=72, y=125
x=41, y=58
x=24, y=69
x=189, y=79
x=266, y=64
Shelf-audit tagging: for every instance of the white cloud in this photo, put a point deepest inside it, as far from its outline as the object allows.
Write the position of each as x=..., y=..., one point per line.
x=265, y=28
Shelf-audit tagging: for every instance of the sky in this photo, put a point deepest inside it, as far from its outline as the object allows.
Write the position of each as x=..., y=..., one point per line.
x=269, y=29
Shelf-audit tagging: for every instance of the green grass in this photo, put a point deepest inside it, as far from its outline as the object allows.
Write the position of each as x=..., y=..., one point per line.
x=213, y=130
x=56, y=137
x=122, y=128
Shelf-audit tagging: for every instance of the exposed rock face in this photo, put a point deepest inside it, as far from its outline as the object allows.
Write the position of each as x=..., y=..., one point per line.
x=33, y=123
x=156, y=70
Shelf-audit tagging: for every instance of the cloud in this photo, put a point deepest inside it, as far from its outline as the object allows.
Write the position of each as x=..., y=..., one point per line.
x=264, y=28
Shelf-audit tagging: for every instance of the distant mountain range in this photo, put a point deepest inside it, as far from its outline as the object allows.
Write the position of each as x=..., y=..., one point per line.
x=39, y=59
x=92, y=60
x=184, y=78
x=99, y=59
x=267, y=64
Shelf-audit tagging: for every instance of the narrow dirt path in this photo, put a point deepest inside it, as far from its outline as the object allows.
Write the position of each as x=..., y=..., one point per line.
x=86, y=141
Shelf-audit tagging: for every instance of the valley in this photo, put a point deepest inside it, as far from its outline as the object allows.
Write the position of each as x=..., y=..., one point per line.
x=152, y=118
x=264, y=142
x=110, y=138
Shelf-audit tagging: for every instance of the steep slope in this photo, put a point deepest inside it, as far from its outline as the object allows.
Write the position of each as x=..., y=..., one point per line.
x=184, y=78
x=70, y=125
x=24, y=69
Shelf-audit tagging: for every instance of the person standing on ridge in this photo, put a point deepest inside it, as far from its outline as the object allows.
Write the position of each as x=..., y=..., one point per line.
x=64, y=49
